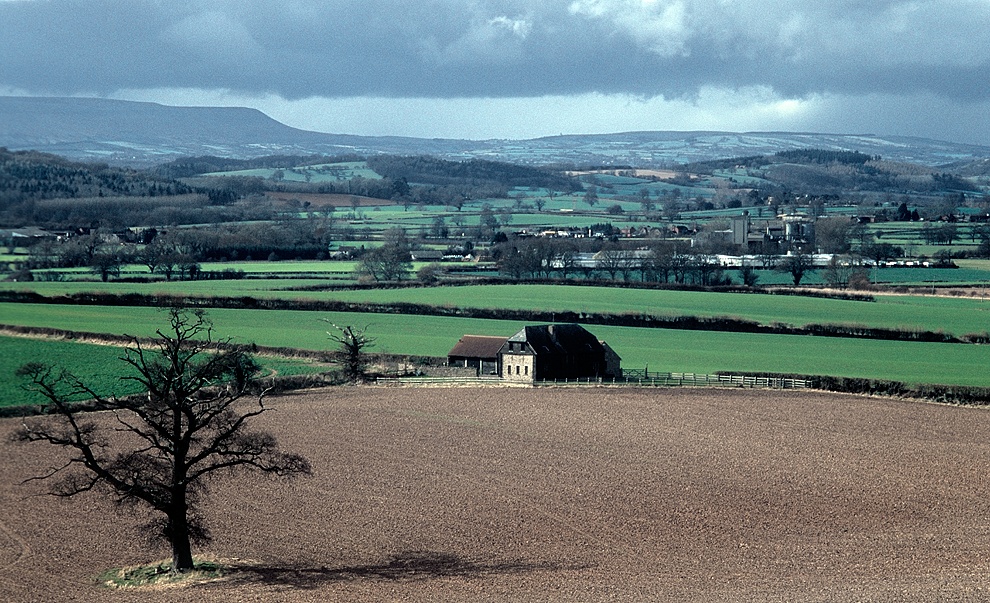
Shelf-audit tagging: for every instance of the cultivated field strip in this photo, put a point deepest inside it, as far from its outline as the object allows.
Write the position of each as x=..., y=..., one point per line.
x=599, y=494
x=670, y=350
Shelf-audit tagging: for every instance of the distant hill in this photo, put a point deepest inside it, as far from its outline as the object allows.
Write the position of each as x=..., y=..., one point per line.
x=141, y=134
x=137, y=133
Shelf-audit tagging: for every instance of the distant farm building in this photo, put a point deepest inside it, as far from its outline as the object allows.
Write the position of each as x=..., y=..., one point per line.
x=761, y=233
x=538, y=353
x=479, y=352
x=426, y=255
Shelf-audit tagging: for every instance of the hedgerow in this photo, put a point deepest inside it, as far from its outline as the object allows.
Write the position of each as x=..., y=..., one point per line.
x=639, y=320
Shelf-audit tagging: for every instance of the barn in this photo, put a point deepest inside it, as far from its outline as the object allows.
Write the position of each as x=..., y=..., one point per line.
x=538, y=353
x=479, y=352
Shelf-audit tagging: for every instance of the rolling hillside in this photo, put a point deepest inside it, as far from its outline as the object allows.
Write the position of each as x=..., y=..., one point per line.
x=141, y=134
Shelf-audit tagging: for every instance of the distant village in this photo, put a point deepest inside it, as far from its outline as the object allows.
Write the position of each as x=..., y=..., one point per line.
x=762, y=241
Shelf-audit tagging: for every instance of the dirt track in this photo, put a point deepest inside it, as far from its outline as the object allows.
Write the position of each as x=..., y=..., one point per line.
x=564, y=495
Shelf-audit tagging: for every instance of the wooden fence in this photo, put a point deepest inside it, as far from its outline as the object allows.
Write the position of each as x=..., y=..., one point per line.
x=632, y=378
x=653, y=379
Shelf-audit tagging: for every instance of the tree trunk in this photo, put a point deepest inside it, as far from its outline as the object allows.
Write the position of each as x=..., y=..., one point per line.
x=178, y=537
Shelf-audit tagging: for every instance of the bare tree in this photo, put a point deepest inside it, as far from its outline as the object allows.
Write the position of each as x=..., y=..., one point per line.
x=160, y=448
x=839, y=270
x=748, y=274
x=391, y=261
x=352, y=343
x=591, y=196
x=614, y=260
x=832, y=235
x=797, y=265
x=107, y=262
x=611, y=260
x=565, y=257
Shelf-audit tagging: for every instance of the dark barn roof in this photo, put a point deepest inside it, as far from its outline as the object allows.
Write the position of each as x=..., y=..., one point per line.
x=567, y=339
x=477, y=346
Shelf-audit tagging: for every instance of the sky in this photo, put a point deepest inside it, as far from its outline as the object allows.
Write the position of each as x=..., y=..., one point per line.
x=516, y=69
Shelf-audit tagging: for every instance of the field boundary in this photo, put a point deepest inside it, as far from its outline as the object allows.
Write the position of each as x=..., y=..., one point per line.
x=637, y=379
x=724, y=324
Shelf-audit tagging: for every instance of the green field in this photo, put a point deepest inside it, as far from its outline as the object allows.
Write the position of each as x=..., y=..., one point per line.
x=954, y=315
x=92, y=364
x=88, y=362
x=337, y=270
x=419, y=335
x=327, y=172
x=658, y=349
x=223, y=288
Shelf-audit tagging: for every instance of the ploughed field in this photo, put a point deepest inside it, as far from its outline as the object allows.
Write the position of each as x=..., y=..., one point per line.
x=505, y=494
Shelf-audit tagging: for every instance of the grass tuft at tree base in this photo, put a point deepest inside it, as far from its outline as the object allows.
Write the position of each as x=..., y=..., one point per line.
x=161, y=574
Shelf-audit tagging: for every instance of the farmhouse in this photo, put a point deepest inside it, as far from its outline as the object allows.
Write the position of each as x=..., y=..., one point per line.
x=538, y=353
x=568, y=351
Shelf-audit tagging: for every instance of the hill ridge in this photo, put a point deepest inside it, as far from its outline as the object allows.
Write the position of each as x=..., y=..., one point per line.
x=141, y=133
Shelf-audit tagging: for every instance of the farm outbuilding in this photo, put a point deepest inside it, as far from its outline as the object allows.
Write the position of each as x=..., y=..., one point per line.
x=536, y=353
x=479, y=352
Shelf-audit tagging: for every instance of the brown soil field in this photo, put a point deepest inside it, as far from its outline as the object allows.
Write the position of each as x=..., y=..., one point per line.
x=514, y=494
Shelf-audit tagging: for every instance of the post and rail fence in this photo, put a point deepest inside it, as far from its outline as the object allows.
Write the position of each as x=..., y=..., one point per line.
x=631, y=378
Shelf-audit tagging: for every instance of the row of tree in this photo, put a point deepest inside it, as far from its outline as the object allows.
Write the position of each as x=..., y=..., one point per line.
x=663, y=262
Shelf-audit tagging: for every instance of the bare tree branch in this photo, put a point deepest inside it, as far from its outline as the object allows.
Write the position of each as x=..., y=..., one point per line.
x=352, y=343
x=160, y=447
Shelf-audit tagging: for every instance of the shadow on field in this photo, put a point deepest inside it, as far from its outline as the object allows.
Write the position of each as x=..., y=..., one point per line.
x=406, y=566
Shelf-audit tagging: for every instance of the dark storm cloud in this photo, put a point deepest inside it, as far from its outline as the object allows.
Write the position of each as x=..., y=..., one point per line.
x=448, y=48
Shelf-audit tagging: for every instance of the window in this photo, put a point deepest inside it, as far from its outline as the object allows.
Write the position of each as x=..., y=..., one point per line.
x=526, y=370
x=517, y=369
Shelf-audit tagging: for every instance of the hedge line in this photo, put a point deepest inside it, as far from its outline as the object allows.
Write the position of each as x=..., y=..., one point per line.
x=271, y=385
x=694, y=323
x=947, y=394
x=328, y=356
x=796, y=292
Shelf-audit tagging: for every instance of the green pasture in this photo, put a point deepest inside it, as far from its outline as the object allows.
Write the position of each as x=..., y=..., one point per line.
x=86, y=361
x=18, y=256
x=253, y=287
x=659, y=349
x=99, y=366
x=741, y=176
x=892, y=276
x=566, y=213
x=930, y=276
x=909, y=235
x=329, y=172
x=253, y=267
x=955, y=315
x=286, y=267
x=420, y=335
x=73, y=278
x=982, y=266
x=708, y=352
x=969, y=272
x=950, y=314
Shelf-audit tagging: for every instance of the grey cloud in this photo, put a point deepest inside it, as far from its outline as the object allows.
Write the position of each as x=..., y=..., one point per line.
x=491, y=48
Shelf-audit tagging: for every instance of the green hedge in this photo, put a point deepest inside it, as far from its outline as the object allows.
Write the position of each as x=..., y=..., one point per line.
x=691, y=323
